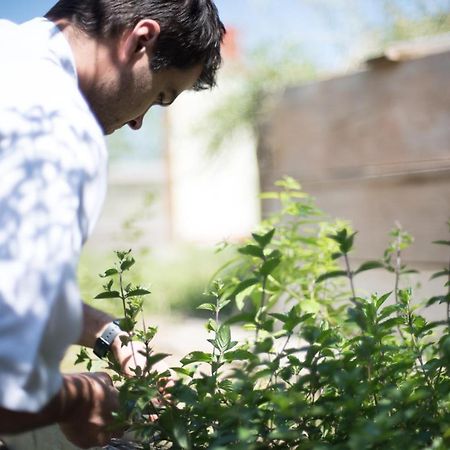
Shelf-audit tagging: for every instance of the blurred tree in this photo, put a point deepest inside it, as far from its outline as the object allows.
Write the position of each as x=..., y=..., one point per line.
x=428, y=18
x=370, y=25
x=267, y=73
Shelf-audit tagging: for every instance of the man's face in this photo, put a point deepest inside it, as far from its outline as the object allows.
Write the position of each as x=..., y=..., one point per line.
x=124, y=99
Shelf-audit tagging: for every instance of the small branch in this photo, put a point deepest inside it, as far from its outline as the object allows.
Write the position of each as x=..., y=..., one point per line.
x=263, y=300
x=122, y=296
x=398, y=265
x=350, y=277
x=278, y=357
x=420, y=359
x=448, y=295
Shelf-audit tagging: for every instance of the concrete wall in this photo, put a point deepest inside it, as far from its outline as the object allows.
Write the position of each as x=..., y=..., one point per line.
x=372, y=147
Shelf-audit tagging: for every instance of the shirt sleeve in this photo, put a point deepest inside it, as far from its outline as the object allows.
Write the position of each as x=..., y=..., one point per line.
x=50, y=195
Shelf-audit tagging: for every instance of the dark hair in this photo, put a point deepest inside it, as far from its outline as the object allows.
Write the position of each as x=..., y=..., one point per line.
x=191, y=30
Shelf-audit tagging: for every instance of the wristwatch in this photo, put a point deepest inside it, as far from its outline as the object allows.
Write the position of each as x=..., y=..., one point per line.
x=103, y=344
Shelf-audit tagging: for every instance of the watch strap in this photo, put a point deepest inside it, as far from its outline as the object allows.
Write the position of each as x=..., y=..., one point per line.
x=103, y=343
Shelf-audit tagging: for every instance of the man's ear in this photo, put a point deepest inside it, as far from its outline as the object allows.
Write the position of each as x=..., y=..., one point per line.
x=139, y=40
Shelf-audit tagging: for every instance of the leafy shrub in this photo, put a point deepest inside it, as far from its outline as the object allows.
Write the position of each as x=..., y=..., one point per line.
x=322, y=368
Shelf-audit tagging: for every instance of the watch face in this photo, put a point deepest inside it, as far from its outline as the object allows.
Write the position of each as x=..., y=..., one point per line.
x=103, y=343
x=101, y=347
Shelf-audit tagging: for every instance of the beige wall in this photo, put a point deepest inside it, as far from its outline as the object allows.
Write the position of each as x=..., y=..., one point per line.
x=372, y=147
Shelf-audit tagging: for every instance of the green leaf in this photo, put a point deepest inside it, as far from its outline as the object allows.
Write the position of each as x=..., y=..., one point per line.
x=288, y=183
x=264, y=240
x=440, y=242
x=181, y=435
x=195, y=357
x=268, y=266
x=172, y=422
x=382, y=299
x=126, y=324
x=223, y=337
x=252, y=250
x=439, y=299
x=369, y=265
x=442, y=273
x=108, y=294
x=392, y=322
x=83, y=356
x=242, y=291
x=207, y=306
x=332, y=274
x=137, y=292
x=310, y=306
x=211, y=325
x=264, y=346
x=109, y=273
x=127, y=264
x=184, y=371
x=347, y=245
x=269, y=195
x=281, y=317
x=274, y=254
x=243, y=285
x=239, y=355
x=155, y=358
x=122, y=255
x=264, y=373
x=245, y=317
x=222, y=303
x=339, y=236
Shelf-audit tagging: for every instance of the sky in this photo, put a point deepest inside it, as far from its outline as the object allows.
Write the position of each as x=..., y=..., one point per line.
x=329, y=31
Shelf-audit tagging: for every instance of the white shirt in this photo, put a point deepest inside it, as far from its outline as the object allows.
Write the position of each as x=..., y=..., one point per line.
x=52, y=185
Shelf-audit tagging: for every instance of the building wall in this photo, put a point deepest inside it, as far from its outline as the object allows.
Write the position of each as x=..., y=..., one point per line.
x=372, y=147
x=212, y=197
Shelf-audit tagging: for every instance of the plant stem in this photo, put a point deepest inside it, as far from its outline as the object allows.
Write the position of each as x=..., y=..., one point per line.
x=350, y=277
x=397, y=271
x=261, y=307
x=147, y=348
x=123, y=297
x=278, y=357
x=213, y=364
x=448, y=297
x=397, y=267
x=419, y=353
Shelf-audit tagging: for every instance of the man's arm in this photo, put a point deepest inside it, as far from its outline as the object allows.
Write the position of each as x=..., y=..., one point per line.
x=82, y=407
x=94, y=323
x=128, y=356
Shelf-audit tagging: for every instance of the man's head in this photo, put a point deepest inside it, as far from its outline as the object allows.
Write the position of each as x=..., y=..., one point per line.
x=147, y=52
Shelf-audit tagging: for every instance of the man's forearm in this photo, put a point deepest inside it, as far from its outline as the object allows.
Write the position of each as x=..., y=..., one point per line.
x=59, y=409
x=127, y=355
x=94, y=322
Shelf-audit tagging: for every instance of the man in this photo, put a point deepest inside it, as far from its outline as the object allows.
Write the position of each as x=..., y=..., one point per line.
x=86, y=69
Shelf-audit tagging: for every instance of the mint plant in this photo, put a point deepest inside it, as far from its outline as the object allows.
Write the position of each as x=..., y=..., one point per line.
x=322, y=367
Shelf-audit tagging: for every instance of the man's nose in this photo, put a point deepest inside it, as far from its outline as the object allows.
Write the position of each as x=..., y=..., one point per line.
x=136, y=124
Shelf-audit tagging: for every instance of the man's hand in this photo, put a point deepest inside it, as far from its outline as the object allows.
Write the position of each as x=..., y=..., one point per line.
x=129, y=356
x=89, y=423
x=83, y=408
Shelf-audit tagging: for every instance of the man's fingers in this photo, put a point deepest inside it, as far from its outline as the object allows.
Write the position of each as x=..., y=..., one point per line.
x=103, y=377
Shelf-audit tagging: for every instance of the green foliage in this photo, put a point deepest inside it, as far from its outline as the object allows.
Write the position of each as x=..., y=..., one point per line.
x=179, y=277
x=432, y=18
x=321, y=368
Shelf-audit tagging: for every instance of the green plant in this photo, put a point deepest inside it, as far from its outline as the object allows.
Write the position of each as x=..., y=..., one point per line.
x=322, y=367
